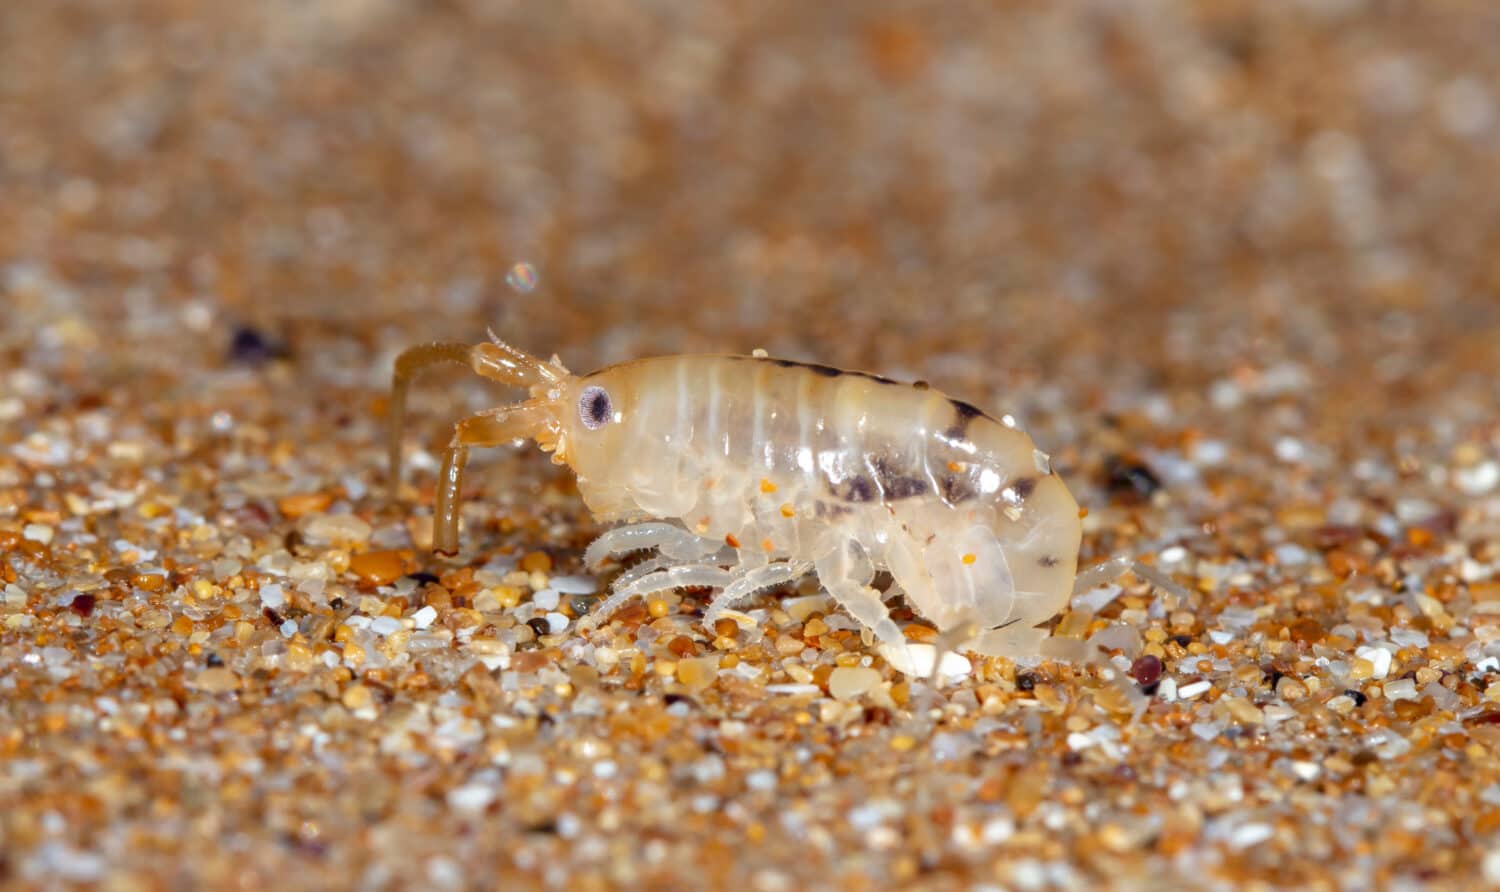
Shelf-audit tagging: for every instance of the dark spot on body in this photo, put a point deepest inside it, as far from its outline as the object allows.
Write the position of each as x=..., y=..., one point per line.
x=890, y=482
x=904, y=487
x=956, y=488
x=858, y=489
x=1128, y=479
x=895, y=481
x=822, y=509
x=1049, y=561
x=965, y=414
x=1024, y=487
x=827, y=371
x=966, y=411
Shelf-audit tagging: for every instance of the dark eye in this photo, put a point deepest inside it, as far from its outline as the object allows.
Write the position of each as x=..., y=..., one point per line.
x=594, y=408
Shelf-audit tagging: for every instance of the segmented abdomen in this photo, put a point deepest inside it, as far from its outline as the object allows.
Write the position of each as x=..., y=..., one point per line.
x=842, y=440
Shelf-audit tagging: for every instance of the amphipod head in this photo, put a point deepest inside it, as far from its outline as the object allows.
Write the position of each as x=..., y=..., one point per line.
x=577, y=418
x=543, y=417
x=582, y=420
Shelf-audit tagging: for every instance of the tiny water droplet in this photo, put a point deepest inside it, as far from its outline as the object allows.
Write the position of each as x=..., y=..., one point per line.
x=521, y=278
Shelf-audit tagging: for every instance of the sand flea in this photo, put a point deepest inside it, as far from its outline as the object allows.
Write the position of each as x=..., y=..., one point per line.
x=813, y=469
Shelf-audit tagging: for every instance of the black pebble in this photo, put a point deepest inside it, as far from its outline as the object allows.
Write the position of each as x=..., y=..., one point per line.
x=539, y=626
x=1025, y=681
x=250, y=347
x=1357, y=696
x=1129, y=479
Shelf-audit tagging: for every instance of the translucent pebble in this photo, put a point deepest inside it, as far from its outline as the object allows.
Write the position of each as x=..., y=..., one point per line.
x=1401, y=689
x=697, y=673
x=1479, y=479
x=272, y=596
x=1247, y=835
x=546, y=599
x=1491, y=865
x=1379, y=657
x=338, y=528
x=472, y=798
x=575, y=585
x=1193, y=689
x=521, y=278
x=849, y=682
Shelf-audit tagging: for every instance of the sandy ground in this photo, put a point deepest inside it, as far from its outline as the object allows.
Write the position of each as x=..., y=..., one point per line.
x=1233, y=264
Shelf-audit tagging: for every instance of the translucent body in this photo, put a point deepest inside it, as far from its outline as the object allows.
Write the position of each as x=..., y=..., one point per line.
x=772, y=469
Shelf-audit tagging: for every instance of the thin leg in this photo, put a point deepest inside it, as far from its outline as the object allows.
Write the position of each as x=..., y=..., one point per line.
x=495, y=427
x=498, y=361
x=864, y=604
x=644, y=568
x=1102, y=573
x=408, y=364
x=640, y=536
x=675, y=577
x=845, y=571
x=1118, y=566
x=682, y=576
x=750, y=582
x=948, y=642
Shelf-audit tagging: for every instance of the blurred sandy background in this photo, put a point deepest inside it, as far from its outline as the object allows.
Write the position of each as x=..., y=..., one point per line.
x=1136, y=225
